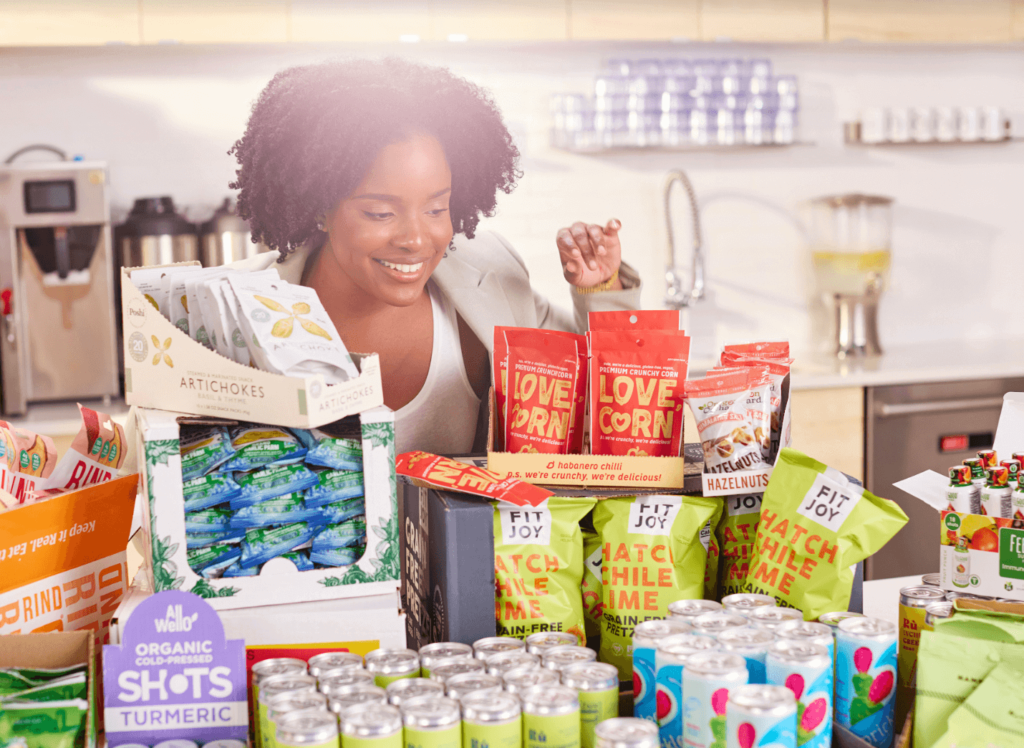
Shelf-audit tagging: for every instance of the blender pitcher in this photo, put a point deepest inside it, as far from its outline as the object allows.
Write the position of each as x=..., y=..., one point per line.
x=850, y=239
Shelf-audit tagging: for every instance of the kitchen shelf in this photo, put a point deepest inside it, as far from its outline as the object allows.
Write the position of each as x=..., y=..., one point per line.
x=709, y=148
x=851, y=136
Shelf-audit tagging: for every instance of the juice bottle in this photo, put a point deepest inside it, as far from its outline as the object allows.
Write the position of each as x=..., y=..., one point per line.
x=961, y=563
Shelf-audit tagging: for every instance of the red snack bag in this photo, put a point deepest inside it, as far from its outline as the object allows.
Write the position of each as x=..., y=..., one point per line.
x=452, y=475
x=772, y=349
x=636, y=392
x=499, y=367
x=719, y=405
x=543, y=390
x=647, y=319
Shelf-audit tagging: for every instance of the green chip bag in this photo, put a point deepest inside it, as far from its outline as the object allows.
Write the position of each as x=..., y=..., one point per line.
x=711, y=547
x=44, y=724
x=815, y=525
x=591, y=587
x=735, y=532
x=653, y=554
x=538, y=567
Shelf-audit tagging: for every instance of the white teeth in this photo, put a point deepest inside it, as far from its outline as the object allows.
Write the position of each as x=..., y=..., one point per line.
x=401, y=268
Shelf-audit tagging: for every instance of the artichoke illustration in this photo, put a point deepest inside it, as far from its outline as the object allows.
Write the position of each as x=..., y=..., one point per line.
x=161, y=351
x=283, y=327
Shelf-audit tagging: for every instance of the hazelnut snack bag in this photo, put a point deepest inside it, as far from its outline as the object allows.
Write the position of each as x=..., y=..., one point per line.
x=647, y=319
x=778, y=368
x=735, y=532
x=759, y=405
x=543, y=402
x=815, y=524
x=719, y=405
x=636, y=392
x=95, y=456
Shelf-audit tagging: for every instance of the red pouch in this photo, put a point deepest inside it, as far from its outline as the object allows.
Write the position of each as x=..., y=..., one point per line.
x=452, y=475
x=636, y=392
x=648, y=319
x=770, y=349
x=543, y=390
x=499, y=367
x=719, y=405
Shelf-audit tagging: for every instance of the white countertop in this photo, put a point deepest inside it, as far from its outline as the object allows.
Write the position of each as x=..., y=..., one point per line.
x=63, y=419
x=882, y=597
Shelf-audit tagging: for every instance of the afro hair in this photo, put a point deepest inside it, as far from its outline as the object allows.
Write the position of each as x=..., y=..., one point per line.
x=316, y=129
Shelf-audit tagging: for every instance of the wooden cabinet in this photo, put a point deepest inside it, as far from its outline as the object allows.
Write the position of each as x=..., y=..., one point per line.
x=60, y=22
x=639, y=19
x=1017, y=20
x=535, y=20
x=360, y=21
x=755, y=20
x=920, y=20
x=214, y=21
x=828, y=425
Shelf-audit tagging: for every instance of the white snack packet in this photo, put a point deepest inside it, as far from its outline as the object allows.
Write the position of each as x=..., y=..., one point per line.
x=177, y=302
x=289, y=331
x=719, y=405
x=149, y=281
x=219, y=317
x=197, y=324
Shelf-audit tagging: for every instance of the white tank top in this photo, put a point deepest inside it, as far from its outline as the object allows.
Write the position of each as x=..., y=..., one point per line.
x=442, y=417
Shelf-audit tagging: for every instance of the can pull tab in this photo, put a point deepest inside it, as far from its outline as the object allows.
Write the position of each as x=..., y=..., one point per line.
x=7, y=312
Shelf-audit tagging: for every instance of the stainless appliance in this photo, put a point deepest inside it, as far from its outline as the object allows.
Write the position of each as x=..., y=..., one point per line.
x=916, y=427
x=850, y=237
x=57, y=332
x=225, y=238
x=156, y=234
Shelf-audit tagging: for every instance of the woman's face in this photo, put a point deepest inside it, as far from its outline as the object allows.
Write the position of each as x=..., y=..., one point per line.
x=393, y=230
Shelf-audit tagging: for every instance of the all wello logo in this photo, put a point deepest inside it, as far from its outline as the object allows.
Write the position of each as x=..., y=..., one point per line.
x=175, y=621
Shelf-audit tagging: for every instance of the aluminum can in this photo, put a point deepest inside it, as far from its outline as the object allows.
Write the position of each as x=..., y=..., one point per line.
x=772, y=618
x=491, y=720
x=811, y=632
x=430, y=654
x=913, y=601
x=936, y=612
x=707, y=680
x=290, y=702
x=484, y=648
x=963, y=495
x=432, y=722
x=460, y=686
x=806, y=670
x=355, y=694
x=558, y=657
x=670, y=657
x=931, y=580
x=598, y=686
x=988, y=458
x=261, y=671
x=551, y=717
x=646, y=635
x=952, y=595
x=537, y=644
x=498, y=664
x=271, y=687
x=743, y=602
x=446, y=669
x=308, y=729
x=865, y=679
x=177, y=743
x=402, y=690
x=328, y=661
x=372, y=726
x=760, y=716
x=752, y=645
x=350, y=677
x=389, y=665
x=517, y=681
x=226, y=743
x=832, y=619
x=626, y=732
x=712, y=624
x=692, y=608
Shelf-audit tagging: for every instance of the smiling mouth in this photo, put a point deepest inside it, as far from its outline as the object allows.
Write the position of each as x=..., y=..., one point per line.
x=402, y=268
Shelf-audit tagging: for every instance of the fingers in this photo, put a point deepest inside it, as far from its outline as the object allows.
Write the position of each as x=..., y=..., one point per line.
x=613, y=227
x=569, y=253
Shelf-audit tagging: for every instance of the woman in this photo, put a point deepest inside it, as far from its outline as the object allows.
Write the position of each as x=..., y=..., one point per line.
x=369, y=178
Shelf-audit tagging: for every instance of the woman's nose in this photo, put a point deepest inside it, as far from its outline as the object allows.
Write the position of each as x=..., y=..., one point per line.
x=412, y=234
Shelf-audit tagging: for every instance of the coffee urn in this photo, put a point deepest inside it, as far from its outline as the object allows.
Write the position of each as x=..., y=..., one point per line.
x=226, y=238
x=156, y=234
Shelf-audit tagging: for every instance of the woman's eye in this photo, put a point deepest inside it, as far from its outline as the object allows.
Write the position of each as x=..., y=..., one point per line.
x=377, y=216
x=437, y=211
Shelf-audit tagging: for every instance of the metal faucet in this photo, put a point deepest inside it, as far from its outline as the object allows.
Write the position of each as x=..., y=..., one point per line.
x=674, y=296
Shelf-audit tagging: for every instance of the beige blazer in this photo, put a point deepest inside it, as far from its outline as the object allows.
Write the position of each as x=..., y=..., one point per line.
x=489, y=285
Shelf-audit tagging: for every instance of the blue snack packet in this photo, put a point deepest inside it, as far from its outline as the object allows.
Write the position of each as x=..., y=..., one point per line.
x=281, y=510
x=262, y=544
x=300, y=559
x=216, y=519
x=209, y=490
x=340, y=511
x=203, y=539
x=270, y=482
x=336, y=556
x=203, y=450
x=201, y=559
x=331, y=452
x=236, y=570
x=341, y=535
x=334, y=485
x=258, y=446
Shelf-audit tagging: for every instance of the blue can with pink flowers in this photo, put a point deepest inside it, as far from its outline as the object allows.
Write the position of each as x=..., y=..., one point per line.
x=866, y=678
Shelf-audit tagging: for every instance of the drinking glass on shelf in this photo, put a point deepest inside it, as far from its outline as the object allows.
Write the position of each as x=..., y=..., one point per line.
x=613, y=103
x=729, y=126
x=899, y=125
x=945, y=124
x=701, y=129
x=649, y=67
x=758, y=126
x=677, y=66
x=992, y=123
x=675, y=127
x=922, y=124
x=611, y=85
x=874, y=125
x=759, y=86
x=968, y=123
x=786, y=88
x=677, y=84
x=784, y=131
x=757, y=68
x=618, y=66
x=612, y=128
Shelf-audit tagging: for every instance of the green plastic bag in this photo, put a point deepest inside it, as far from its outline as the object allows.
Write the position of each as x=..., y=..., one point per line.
x=713, y=551
x=653, y=555
x=60, y=689
x=815, y=526
x=991, y=715
x=44, y=724
x=538, y=567
x=593, y=608
x=736, y=532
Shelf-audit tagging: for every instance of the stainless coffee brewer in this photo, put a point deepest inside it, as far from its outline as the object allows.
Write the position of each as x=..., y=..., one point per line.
x=57, y=329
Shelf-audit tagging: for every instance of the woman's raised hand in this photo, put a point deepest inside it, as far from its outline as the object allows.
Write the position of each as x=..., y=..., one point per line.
x=590, y=253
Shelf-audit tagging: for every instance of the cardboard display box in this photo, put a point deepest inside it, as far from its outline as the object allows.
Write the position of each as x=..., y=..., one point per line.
x=57, y=650
x=163, y=525
x=164, y=368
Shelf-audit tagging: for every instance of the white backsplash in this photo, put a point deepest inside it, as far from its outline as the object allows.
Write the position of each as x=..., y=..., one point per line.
x=164, y=117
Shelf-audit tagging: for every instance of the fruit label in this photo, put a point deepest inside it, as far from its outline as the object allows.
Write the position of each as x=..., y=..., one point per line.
x=669, y=705
x=812, y=688
x=759, y=731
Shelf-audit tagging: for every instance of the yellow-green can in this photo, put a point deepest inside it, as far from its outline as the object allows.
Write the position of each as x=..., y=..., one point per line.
x=329, y=662
x=432, y=722
x=598, y=687
x=289, y=703
x=491, y=719
x=551, y=717
x=272, y=687
x=371, y=726
x=260, y=672
x=309, y=729
x=389, y=665
x=356, y=694
x=431, y=654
